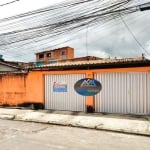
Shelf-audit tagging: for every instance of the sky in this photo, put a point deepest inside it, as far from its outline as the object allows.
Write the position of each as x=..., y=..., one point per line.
x=112, y=39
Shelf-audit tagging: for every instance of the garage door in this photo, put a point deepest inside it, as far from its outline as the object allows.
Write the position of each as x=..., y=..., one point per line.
x=60, y=94
x=126, y=93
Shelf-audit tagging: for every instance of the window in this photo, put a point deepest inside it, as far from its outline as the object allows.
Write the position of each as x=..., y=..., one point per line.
x=63, y=52
x=41, y=56
x=49, y=54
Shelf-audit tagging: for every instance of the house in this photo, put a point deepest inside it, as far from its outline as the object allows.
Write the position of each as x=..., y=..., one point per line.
x=8, y=66
x=52, y=56
x=125, y=85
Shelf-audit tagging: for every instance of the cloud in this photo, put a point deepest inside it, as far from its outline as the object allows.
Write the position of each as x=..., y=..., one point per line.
x=114, y=39
x=103, y=40
x=117, y=41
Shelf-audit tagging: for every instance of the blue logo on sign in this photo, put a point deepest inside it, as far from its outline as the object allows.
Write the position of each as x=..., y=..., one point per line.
x=87, y=87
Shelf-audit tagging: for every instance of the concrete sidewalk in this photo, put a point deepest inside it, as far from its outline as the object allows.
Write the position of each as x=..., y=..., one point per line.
x=120, y=123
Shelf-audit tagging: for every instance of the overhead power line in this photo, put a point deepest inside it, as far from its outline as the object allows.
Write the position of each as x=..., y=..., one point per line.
x=9, y=3
x=134, y=37
x=67, y=24
x=53, y=22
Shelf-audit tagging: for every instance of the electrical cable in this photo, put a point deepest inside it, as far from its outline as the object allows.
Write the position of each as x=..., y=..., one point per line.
x=9, y=3
x=134, y=37
x=56, y=21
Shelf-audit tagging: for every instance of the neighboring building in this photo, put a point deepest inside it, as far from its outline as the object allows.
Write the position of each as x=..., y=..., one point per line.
x=60, y=55
x=52, y=56
x=8, y=66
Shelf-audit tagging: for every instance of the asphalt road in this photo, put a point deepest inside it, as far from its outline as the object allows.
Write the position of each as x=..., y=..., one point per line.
x=15, y=135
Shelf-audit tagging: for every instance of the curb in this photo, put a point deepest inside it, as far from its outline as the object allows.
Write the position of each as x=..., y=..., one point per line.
x=139, y=127
x=121, y=125
x=7, y=117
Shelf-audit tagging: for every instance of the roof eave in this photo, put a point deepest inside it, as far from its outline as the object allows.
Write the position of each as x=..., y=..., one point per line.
x=95, y=65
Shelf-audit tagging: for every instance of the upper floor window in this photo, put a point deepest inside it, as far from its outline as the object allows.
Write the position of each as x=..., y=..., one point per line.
x=63, y=52
x=41, y=56
x=49, y=54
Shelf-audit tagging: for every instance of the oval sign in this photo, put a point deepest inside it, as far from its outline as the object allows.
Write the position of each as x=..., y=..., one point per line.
x=87, y=87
